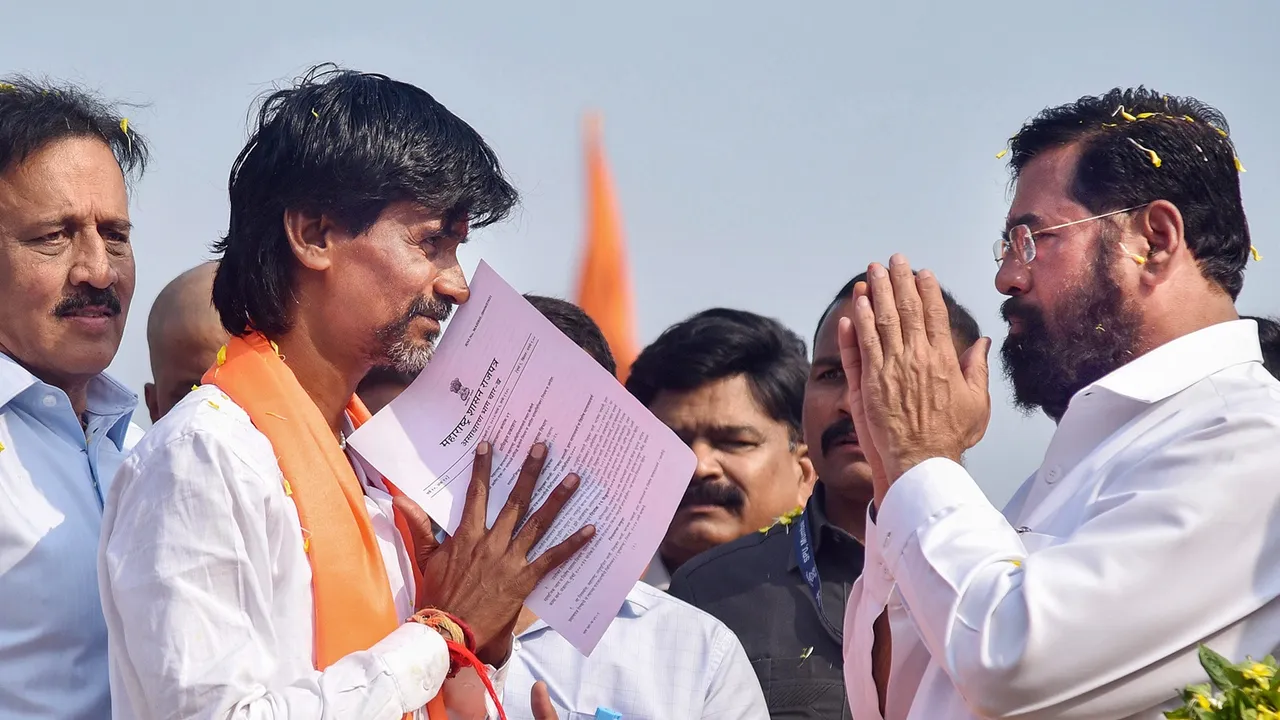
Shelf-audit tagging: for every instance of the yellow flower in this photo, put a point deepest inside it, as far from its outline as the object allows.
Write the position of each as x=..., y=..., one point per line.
x=222, y=355
x=1000, y=155
x=1240, y=166
x=124, y=125
x=1257, y=255
x=1258, y=671
x=1127, y=115
x=1202, y=701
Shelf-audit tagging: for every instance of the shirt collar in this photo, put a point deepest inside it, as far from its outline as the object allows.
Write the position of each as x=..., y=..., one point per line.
x=1183, y=362
x=106, y=397
x=635, y=605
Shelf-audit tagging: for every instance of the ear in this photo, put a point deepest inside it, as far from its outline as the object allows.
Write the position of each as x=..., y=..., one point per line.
x=1166, y=244
x=311, y=237
x=808, y=474
x=153, y=405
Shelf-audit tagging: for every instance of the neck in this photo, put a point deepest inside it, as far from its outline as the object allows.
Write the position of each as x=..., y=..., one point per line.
x=847, y=511
x=329, y=382
x=76, y=387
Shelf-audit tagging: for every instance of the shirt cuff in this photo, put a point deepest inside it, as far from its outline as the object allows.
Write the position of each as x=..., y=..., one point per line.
x=877, y=581
x=921, y=496
x=418, y=660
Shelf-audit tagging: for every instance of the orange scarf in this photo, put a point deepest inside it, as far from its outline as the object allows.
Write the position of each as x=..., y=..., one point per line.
x=354, y=608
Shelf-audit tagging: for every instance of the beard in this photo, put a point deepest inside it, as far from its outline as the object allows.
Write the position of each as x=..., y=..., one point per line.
x=396, y=349
x=1093, y=333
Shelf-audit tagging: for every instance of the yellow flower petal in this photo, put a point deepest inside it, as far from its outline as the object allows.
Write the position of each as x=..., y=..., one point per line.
x=195, y=387
x=1188, y=118
x=288, y=489
x=1127, y=115
x=1240, y=166
x=1257, y=256
x=222, y=355
x=1155, y=159
x=316, y=114
x=124, y=125
x=1, y=447
x=1002, y=153
x=1144, y=116
x=1016, y=563
x=6, y=87
x=1221, y=132
x=213, y=404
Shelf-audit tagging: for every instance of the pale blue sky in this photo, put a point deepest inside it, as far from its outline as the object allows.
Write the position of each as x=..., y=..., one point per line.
x=764, y=153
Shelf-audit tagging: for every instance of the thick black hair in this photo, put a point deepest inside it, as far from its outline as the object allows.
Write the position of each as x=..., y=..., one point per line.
x=721, y=343
x=574, y=322
x=1269, y=339
x=34, y=114
x=346, y=144
x=1139, y=146
x=963, y=327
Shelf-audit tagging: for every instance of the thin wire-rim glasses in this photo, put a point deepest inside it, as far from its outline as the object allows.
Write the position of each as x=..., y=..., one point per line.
x=1019, y=241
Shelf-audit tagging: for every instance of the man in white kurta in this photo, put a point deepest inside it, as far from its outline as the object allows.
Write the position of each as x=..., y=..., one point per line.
x=1153, y=524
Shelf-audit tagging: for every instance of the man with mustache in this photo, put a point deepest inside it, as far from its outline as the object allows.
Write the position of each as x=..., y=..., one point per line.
x=1151, y=526
x=730, y=383
x=763, y=587
x=251, y=564
x=183, y=337
x=66, y=279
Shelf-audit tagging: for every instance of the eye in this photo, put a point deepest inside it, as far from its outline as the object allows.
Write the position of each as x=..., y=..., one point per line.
x=831, y=374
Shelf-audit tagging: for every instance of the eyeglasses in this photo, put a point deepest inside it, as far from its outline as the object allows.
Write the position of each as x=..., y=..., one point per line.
x=1020, y=242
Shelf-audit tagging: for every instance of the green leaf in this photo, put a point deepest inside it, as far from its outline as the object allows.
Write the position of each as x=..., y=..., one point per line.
x=1218, y=668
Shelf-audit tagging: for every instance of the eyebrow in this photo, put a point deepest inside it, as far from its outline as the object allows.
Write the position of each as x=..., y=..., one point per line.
x=1028, y=219
x=828, y=360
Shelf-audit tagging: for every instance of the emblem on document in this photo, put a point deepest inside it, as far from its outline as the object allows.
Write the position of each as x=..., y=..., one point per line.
x=459, y=389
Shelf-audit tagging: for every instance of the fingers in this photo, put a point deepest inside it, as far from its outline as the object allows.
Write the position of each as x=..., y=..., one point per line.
x=419, y=524
x=884, y=304
x=850, y=353
x=475, y=509
x=541, y=520
x=540, y=702
x=973, y=364
x=937, y=321
x=908, y=302
x=866, y=333
x=522, y=492
x=560, y=554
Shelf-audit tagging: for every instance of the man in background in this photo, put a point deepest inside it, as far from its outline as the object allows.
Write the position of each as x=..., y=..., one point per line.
x=183, y=337
x=730, y=383
x=764, y=588
x=66, y=279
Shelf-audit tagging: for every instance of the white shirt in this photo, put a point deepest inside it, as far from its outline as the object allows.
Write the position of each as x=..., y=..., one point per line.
x=206, y=588
x=656, y=574
x=1152, y=526
x=660, y=659
x=53, y=641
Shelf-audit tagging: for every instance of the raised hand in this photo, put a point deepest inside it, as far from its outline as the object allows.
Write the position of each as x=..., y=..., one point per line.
x=483, y=575
x=919, y=400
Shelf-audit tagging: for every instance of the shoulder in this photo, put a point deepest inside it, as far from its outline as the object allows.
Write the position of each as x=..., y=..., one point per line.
x=203, y=436
x=741, y=562
x=653, y=608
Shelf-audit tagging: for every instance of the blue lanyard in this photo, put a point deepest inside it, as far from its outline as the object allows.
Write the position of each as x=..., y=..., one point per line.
x=803, y=543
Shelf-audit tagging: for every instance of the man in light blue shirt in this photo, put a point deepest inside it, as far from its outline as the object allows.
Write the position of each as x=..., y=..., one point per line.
x=66, y=279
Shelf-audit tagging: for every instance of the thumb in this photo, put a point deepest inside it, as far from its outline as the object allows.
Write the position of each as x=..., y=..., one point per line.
x=974, y=366
x=419, y=524
x=540, y=702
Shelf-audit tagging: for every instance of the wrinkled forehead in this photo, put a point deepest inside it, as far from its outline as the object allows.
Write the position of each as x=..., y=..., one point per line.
x=1042, y=193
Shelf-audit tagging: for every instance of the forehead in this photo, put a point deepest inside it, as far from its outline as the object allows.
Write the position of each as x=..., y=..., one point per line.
x=826, y=341
x=1042, y=194
x=64, y=177
x=723, y=402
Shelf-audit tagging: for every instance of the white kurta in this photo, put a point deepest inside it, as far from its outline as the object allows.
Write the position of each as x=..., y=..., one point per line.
x=1152, y=526
x=206, y=588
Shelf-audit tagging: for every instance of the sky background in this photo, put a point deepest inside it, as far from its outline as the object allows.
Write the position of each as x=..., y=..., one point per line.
x=763, y=153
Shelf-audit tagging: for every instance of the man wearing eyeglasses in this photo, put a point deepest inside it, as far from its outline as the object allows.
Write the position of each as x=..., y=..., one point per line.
x=1153, y=524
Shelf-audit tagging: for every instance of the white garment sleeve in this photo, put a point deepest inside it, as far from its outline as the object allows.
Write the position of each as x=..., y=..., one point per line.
x=734, y=691
x=1171, y=551
x=185, y=568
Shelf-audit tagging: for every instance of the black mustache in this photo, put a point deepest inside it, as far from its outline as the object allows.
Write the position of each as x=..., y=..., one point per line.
x=434, y=308
x=90, y=297
x=837, y=431
x=724, y=494
x=1017, y=307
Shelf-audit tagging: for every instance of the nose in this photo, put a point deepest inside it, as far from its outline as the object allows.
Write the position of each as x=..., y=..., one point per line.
x=708, y=467
x=1013, y=277
x=451, y=283
x=92, y=264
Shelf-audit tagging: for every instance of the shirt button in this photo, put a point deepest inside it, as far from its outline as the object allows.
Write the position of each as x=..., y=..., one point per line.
x=50, y=400
x=1051, y=477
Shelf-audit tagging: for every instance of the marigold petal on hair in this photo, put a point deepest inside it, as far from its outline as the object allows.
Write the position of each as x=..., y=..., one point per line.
x=1144, y=116
x=1000, y=155
x=1240, y=166
x=1257, y=256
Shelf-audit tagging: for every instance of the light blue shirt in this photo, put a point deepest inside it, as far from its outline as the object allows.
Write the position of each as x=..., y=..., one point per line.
x=53, y=477
x=660, y=659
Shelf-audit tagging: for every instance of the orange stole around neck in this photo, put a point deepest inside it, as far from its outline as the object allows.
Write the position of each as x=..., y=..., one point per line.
x=350, y=591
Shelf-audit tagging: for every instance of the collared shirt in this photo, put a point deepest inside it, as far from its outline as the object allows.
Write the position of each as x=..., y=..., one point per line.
x=206, y=587
x=660, y=659
x=1151, y=527
x=754, y=586
x=656, y=574
x=53, y=475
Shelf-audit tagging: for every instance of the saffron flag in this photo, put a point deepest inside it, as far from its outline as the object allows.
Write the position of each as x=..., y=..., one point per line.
x=604, y=282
